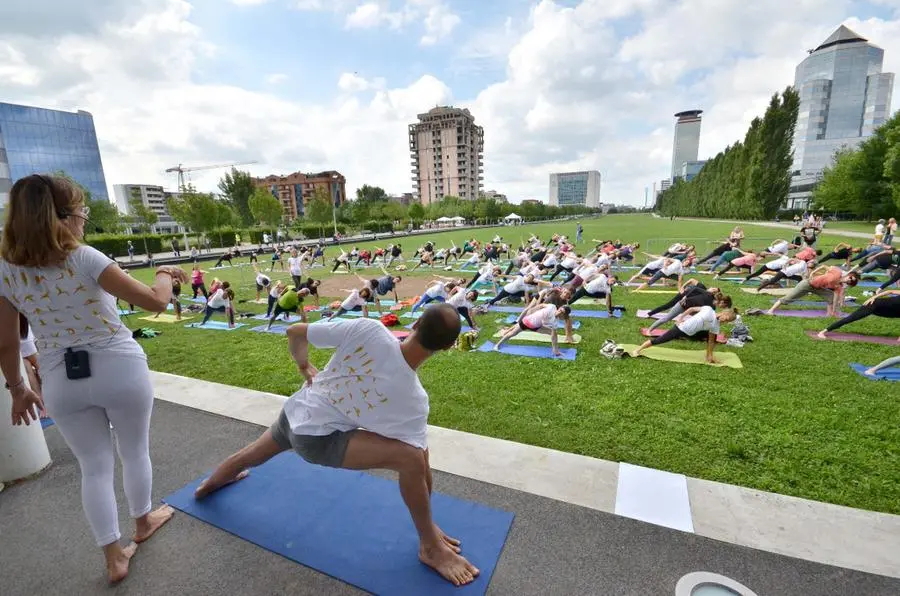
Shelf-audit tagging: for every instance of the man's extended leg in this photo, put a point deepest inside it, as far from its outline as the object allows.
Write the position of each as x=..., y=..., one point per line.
x=236, y=466
x=367, y=451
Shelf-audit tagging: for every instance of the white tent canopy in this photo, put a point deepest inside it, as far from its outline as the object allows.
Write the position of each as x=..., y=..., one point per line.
x=512, y=216
x=443, y=219
x=458, y=218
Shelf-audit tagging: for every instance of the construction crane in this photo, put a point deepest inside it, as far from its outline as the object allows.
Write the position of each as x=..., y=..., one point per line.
x=180, y=170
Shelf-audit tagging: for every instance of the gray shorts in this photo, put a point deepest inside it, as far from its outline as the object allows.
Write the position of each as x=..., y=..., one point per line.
x=324, y=450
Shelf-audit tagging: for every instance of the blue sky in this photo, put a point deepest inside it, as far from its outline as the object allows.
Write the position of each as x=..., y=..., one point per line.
x=302, y=85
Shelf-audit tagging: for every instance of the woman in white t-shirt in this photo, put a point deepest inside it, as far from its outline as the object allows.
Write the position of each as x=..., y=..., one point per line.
x=771, y=266
x=671, y=269
x=464, y=302
x=342, y=259
x=698, y=322
x=540, y=318
x=794, y=269
x=651, y=267
x=274, y=295
x=520, y=287
x=438, y=291
x=487, y=274
x=94, y=373
x=567, y=265
x=599, y=288
x=263, y=281
x=357, y=300
x=220, y=301
x=295, y=266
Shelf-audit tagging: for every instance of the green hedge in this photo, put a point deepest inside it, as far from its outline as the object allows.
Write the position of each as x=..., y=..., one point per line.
x=378, y=226
x=117, y=244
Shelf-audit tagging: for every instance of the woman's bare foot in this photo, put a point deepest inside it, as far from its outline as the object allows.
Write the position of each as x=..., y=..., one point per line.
x=214, y=483
x=870, y=372
x=451, y=566
x=150, y=523
x=453, y=543
x=821, y=335
x=117, y=562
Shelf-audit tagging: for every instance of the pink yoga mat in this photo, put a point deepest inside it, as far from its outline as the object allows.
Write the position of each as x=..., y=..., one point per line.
x=868, y=339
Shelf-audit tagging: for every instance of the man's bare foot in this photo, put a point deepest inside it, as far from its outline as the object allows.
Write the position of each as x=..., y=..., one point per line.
x=150, y=523
x=117, y=567
x=212, y=484
x=453, y=543
x=451, y=566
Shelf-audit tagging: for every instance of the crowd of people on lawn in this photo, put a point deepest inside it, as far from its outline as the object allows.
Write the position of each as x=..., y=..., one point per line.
x=59, y=313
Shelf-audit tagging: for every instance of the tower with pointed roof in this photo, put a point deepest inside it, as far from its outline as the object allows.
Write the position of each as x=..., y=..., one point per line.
x=844, y=97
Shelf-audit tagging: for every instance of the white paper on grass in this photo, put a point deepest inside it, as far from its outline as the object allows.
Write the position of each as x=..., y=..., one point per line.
x=654, y=496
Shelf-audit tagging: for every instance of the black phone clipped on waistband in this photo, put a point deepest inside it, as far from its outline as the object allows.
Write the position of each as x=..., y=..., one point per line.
x=78, y=364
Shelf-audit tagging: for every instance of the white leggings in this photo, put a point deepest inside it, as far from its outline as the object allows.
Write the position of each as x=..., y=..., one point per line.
x=117, y=393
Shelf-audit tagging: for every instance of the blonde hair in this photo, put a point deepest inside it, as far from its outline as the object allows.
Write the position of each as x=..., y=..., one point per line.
x=35, y=233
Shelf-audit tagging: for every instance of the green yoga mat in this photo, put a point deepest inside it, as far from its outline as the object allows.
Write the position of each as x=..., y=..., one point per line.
x=654, y=291
x=589, y=302
x=729, y=359
x=769, y=291
x=541, y=337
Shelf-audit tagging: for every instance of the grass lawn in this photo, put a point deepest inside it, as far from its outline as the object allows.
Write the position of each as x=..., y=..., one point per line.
x=795, y=420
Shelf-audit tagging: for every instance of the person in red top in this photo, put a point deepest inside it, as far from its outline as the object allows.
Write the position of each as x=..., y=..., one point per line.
x=826, y=282
x=807, y=253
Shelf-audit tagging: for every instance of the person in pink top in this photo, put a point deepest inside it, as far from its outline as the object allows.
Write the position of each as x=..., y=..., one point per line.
x=540, y=318
x=746, y=261
x=197, y=284
x=807, y=253
x=825, y=282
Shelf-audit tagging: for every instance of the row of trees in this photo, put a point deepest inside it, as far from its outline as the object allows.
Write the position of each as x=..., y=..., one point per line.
x=748, y=180
x=865, y=182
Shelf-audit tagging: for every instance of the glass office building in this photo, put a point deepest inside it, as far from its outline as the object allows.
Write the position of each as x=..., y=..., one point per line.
x=41, y=141
x=686, y=144
x=575, y=188
x=844, y=97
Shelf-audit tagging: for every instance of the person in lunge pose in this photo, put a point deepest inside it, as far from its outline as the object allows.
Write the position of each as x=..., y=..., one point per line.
x=197, y=284
x=383, y=285
x=357, y=300
x=342, y=259
x=842, y=251
x=886, y=304
x=671, y=269
x=795, y=269
x=366, y=410
x=290, y=300
x=438, y=291
x=695, y=294
x=540, y=318
x=699, y=322
x=222, y=300
x=599, y=287
x=463, y=301
x=826, y=282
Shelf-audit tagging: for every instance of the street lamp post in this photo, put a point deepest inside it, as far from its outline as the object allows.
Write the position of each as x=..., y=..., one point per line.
x=334, y=177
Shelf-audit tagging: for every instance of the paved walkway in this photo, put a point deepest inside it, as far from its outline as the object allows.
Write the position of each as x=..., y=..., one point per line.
x=553, y=547
x=786, y=226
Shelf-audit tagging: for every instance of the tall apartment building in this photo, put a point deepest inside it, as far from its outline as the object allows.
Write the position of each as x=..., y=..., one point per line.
x=41, y=141
x=151, y=196
x=575, y=188
x=447, y=151
x=844, y=97
x=686, y=144
x=297, y=189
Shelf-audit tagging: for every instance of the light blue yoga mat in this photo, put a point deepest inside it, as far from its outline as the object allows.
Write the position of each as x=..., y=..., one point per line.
x=216, y=326
x=275, y=330
x=350, y=525
x=417, y=314
x=125, y=313
x=463, y=329
x=595, y=314
x=506, y=309
x=530, y=351
x=885, y=374
x=357, y=314
x=290, y=318
x=559, y=324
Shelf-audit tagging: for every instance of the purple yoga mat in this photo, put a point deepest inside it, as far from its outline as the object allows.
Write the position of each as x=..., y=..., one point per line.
x=803, y=314
x=869, y=339
x=645, y=314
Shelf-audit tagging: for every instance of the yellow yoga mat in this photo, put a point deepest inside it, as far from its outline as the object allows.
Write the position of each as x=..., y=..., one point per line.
x=541, y=337
x=769, y=291
x=166, y=318
x=729, y=359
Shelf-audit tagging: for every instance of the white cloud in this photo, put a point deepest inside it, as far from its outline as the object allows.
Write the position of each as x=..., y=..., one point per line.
x=439, y=24
x=574, y=95
x=366, y=16
x=276, y=77
x=248, y=2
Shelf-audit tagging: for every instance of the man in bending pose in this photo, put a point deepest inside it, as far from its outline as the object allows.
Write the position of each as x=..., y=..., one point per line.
x=365, y=410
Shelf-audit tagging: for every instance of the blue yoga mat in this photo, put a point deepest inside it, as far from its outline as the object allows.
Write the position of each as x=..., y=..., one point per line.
x=357, y=314
x=559, y=324
x=869, y=284
x=216, y=326
x=349, y=525
x=125, y=313
x=45, y=422
x=275, y=330
x=885, y=374
x=531, y=351
x=198, y=299
x=512, y=309
x=290, y=318
x=595, y=314
x=417, y=314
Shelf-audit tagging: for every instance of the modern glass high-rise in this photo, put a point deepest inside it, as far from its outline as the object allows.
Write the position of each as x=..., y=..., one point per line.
x=844, y=97
x=686, y=144
x=575, y=188
x=41, y=141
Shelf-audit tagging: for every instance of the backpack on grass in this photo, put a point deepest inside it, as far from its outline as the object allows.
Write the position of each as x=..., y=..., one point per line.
x=612, y=350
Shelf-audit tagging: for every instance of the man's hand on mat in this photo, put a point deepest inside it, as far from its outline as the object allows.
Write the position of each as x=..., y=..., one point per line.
x=308, y=371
